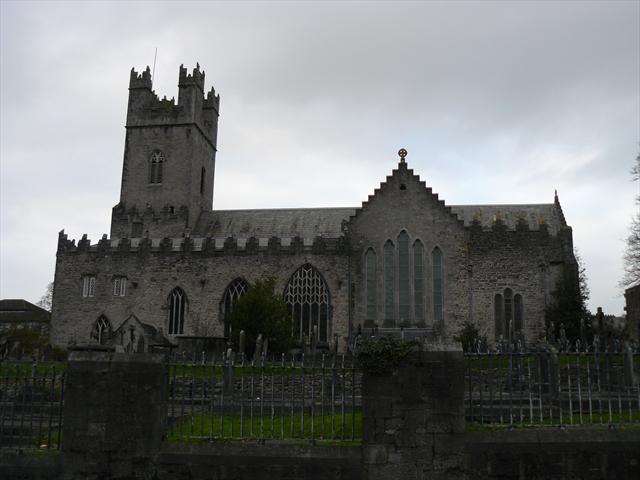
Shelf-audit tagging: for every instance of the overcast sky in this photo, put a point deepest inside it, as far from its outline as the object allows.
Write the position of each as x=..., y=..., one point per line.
x=496, y=103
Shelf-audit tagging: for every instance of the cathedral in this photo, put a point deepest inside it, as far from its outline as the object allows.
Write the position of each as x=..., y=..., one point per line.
x=404, y=260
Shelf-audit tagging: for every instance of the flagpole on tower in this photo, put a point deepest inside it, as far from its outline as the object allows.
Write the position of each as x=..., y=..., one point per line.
x=153, y=73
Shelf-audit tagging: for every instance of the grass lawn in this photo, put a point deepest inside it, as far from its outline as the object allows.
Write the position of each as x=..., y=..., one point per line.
x=203, y=428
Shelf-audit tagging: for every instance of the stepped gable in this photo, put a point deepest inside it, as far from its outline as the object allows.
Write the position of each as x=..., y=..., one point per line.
x=403, y=175
x=306, y=223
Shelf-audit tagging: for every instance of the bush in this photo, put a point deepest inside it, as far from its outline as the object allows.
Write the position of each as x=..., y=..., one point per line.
x=384, y=354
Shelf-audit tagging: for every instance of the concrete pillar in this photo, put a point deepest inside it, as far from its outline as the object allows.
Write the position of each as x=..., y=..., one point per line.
x=115, y=412
x=413, y=419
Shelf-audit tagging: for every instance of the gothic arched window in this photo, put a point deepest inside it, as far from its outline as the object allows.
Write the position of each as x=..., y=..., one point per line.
x=389, y=283
x=371, y=284
x=177, y=311
x=232, y=293
x=307, y=296
x=517, y=313
x=438, y=296
x=498, y=316
x=101, y=332
x=418, y=282
x=404, y=294
x=508, y=313
x=156, y=166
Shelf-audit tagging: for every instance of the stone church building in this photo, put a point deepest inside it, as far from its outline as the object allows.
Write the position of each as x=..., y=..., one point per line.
x=172, y=265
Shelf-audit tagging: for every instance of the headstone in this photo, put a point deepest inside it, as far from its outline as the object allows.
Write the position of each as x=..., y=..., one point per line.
x=241, y=347
x=258, y=351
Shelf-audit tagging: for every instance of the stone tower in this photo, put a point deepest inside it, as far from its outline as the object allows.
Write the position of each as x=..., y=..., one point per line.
x=169, y=158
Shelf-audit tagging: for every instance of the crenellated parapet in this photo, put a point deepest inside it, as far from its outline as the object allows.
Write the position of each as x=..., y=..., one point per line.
x=141, y=80
x=193, y=107
x=556, y=246
x=205, y=246
x=196, y=78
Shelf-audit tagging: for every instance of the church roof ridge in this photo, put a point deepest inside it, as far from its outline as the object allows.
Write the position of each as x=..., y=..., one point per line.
x=278, y=209
x=502, y=205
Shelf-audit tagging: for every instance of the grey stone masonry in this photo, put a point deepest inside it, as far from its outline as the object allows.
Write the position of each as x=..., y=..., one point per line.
x=413, y=419
x=185, y=136
x=115, y=412
x=403, y=259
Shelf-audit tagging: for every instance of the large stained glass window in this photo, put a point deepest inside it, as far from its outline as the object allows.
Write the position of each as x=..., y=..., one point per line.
x=307, y=295
x=370, y=284
x=389, y=283
x=436, y=257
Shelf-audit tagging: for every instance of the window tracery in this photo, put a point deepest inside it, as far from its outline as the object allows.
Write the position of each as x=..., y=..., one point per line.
x=307, y=296
x=177, y=310
x=101, y=330
x=156, y=166
x=232, y=294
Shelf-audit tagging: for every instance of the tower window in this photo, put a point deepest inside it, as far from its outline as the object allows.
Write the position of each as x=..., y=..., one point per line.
x=156, y=165
x=88, y=286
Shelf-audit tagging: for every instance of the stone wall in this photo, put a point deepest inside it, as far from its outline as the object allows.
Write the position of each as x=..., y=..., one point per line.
x=203, y=275
x=550, y=454
x=413, y=419
x=413, y=424
x=404, y=203
x=526, y=261
x=115, y=412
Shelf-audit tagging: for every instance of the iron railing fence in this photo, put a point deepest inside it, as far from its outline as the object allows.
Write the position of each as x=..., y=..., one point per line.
x=31, y=401
x=308, y=398
x=544, y=388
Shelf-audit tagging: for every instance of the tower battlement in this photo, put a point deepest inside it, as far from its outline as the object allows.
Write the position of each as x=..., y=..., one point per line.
x=196, y=78
x=146, y=109
x=140, y=80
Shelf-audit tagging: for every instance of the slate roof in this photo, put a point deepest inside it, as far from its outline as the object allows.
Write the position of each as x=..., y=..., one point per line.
x=311, y=222
x=280, y=222
x=18, y=310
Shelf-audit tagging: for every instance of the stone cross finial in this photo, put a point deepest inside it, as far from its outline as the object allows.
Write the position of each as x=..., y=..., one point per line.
x=402, y=153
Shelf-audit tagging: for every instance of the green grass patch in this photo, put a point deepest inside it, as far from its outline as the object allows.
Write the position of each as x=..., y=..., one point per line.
x=25, y=369
x=217, y=372
x=597, y=421
x=203, y=428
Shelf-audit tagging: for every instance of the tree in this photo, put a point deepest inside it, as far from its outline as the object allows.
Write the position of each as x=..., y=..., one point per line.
x=16, y=341
x=45, y=300
x=261, y=311
x=631, y=256
x=568, y=307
